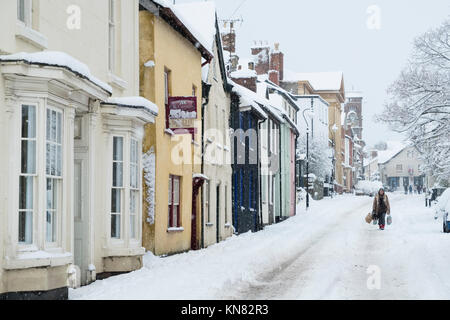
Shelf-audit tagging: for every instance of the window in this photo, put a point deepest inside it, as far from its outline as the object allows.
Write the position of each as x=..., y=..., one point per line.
x=111, y=36
x=399, y=168
x=166, y=85
x=174, y=201
x=53, y=165
x=24, y=11
x=117, y=187
x=207, y=195
x=134, y=186
x=27, y=174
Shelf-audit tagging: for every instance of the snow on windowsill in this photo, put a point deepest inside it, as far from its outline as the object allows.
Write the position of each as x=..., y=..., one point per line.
x=169, y=131
x=209, y=224
x=199, y=175
x=175, y=229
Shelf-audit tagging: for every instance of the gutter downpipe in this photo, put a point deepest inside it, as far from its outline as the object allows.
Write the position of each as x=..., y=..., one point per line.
x=259, y=174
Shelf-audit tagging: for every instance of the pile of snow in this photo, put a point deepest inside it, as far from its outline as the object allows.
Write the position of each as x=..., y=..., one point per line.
x=443, y=202
x=134, y=102
x=368, y=187
x=57, y=59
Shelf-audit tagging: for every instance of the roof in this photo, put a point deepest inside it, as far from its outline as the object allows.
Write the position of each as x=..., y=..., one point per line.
x=57, y=59
x=393, y=149
x=321, y=81
x=249, y=98
x=182, y=23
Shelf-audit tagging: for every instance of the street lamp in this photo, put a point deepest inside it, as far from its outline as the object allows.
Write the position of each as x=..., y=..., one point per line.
x=307, y=157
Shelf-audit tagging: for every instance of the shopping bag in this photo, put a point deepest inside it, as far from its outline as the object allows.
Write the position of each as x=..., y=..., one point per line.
x=389, y=219
x=369, y=218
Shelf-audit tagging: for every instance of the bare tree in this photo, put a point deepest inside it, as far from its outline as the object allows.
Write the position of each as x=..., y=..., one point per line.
x=419, y=100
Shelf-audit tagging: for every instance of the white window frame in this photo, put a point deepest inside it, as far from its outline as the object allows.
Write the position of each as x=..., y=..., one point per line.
x=26, y=10
x=134, y=188
x=34, y=177
x=121, y=188
x=111, y=36
x=58, y=178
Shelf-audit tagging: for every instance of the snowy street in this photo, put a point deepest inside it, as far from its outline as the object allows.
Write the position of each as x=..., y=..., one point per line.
x=322, y=254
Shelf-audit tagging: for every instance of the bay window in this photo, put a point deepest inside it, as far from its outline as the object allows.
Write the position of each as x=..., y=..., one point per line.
x=134, y=186
x=53, y=171
x=117, y=186
x=27, y=174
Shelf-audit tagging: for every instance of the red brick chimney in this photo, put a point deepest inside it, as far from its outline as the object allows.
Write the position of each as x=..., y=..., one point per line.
x=274, y=76
x=261, y=58
x=277, y=61
x=245, y=77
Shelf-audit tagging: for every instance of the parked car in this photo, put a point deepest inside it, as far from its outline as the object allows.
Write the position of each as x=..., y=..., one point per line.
x=443, y=208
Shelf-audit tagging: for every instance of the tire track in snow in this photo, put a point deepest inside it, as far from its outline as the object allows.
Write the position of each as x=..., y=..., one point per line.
x=272, y=284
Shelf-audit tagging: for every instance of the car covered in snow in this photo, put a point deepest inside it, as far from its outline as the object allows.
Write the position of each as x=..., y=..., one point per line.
x=366, y=187
x=443, y=208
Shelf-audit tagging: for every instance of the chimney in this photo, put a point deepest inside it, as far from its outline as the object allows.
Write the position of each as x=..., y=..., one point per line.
x=277, y=61
x=229, y=39
x=260, y=55
x=274, y=76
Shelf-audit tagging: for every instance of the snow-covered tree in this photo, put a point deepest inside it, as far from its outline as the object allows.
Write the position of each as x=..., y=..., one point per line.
x=419, y=100
x=319, y=156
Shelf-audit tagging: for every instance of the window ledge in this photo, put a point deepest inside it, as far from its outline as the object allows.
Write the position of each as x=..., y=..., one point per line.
x=209, y=224
x=227, y=225
x=32, y=36
x=124, y=252
x=37, y=259
x=175, y=229
x=117, y=81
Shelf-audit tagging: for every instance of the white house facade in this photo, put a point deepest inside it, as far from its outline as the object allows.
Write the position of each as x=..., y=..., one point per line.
x=71, y=171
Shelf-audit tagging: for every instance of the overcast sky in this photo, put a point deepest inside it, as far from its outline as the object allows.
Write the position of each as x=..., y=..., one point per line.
x=330, y=35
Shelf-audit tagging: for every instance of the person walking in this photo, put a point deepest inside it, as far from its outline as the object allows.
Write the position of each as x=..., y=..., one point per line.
x=381, y=207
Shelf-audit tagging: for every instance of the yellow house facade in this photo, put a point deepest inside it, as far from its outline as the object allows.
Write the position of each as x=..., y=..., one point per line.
x=170, y=66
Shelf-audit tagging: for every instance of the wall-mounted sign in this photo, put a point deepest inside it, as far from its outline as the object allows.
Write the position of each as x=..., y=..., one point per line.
x=181, y=113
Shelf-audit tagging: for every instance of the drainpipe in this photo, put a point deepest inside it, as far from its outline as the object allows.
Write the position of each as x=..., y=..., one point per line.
x=205, y=93
x=259, y=174
x=281, y=173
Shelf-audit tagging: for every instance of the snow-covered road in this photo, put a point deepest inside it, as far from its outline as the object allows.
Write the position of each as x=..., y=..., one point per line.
x=322, y=254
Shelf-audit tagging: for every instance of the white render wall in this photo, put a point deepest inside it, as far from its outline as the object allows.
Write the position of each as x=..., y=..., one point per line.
x=216, y=115
x=89, y=44
x=319, y=129
x=411, y=161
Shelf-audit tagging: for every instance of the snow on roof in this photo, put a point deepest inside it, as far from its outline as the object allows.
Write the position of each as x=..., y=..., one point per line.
x=57, y=59
x=318, y=80
x=393, y=148
x=202, y=17
x=205, y=26
x=134, y=102
x=249, y=98
x=199, y=176
x=243, y=73
x=197, y=24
